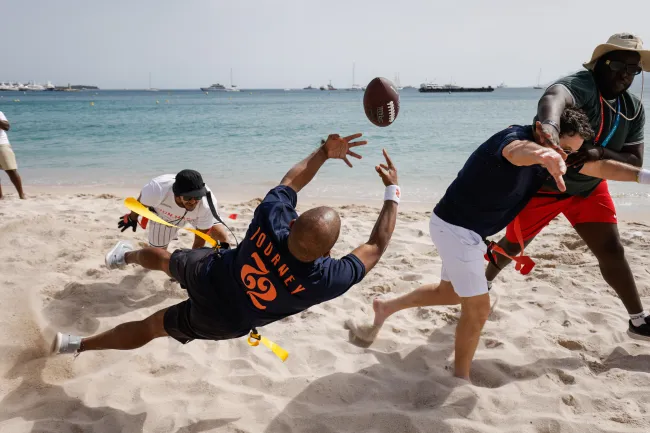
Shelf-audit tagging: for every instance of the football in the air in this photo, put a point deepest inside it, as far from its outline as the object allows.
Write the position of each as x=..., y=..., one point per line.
x=381, y=101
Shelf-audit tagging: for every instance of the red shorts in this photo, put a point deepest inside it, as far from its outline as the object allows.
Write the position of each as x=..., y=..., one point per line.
x=597, y=208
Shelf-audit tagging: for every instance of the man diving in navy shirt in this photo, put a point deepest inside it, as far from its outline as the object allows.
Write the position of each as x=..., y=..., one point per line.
x=282, y=267
x=496, y=182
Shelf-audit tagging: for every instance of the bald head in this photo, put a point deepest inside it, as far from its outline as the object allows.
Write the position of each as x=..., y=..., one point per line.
x=314, y=233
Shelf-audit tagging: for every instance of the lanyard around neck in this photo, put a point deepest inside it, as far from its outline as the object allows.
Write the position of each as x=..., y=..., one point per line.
x=602, y=122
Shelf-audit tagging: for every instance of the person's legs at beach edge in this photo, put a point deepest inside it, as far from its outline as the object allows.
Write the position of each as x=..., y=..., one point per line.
x=15, y=179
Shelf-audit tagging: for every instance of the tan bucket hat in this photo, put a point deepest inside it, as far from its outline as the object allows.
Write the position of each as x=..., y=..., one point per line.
x=621, y=41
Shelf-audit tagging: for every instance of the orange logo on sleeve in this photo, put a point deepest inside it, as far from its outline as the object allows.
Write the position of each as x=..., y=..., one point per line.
x=266, y=288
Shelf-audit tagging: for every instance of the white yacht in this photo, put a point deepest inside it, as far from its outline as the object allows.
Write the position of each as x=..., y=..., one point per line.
x=214, y=88
x=7, y=87
x=33, y=87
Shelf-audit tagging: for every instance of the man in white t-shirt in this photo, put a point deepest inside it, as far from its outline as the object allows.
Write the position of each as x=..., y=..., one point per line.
x=8, y=158
x=177, y=199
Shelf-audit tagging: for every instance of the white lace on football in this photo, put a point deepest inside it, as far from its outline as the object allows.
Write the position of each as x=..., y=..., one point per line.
x=391, y=111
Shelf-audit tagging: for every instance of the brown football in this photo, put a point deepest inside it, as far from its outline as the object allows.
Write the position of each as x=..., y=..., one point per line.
x=381, y=101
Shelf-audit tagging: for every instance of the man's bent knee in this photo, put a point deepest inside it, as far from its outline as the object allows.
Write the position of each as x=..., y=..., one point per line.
x=156, y=324
x=477, y=307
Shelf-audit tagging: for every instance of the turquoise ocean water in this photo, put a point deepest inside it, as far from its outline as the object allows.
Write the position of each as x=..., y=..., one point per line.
x=248, y=140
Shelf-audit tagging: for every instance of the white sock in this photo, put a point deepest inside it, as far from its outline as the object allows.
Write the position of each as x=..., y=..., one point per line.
x=638, y=319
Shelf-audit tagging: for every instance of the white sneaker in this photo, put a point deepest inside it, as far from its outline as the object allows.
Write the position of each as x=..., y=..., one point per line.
x=66, y=343
x=115, y=257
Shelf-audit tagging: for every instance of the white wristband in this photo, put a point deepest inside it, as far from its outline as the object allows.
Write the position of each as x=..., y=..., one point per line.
x=392, y=192
x=643, y=176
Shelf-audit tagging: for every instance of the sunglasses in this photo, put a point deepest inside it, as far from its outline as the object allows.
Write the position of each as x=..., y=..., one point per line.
x=617, y=66
x=190, y=198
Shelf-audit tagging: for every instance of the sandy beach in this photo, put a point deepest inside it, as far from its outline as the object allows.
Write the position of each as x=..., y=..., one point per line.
x=554, y=355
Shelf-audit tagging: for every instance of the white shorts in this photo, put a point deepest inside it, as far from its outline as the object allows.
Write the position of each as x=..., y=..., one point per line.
x=462, y=252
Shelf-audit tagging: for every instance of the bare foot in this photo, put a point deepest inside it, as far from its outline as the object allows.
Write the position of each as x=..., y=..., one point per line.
x=22, y=197
x=379, y=306
x=366, y=331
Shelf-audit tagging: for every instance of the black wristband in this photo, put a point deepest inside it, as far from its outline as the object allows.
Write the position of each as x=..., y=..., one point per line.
x=553, y=123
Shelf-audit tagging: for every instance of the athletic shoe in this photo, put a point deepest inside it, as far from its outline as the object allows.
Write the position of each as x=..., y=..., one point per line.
x=66, y=343
x=115, y=257
x=640, y=332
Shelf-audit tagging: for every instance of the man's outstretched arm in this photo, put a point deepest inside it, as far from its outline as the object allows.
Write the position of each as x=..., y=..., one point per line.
x=334, y=147
x=614, y=170
x=370, y=252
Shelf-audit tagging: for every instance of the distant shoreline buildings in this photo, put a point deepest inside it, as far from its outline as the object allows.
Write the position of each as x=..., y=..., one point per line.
x=49, y=87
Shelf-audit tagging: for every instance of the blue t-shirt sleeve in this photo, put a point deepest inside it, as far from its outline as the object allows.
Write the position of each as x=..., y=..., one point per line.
x=282, y=194
x=343, y=274
x=277, y=210
x=514, y=133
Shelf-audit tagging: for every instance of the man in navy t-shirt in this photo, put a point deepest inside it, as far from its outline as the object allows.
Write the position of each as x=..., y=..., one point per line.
x=495, y=183
x=282, y=267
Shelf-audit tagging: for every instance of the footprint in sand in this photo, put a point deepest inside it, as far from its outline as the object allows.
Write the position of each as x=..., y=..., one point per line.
x=491, y=343
x=571, y=345
x=411, y=277
x=566, y=378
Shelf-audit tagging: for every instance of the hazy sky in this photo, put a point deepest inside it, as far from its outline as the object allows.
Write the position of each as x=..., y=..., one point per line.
x=293, y=43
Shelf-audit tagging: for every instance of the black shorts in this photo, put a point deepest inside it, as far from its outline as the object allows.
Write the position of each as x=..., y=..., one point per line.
x=207, y=314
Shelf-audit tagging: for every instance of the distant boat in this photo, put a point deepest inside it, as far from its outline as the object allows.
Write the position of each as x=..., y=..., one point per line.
x=539, y=76
x=502, y=86
x=397, y=82
x=450, y=88
x=33, y=87
x=214, y=88
x=8, y=87
x=232, y=88
x=355, y=87
x=308, y=88
x=328, y=87
x=150, y=89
